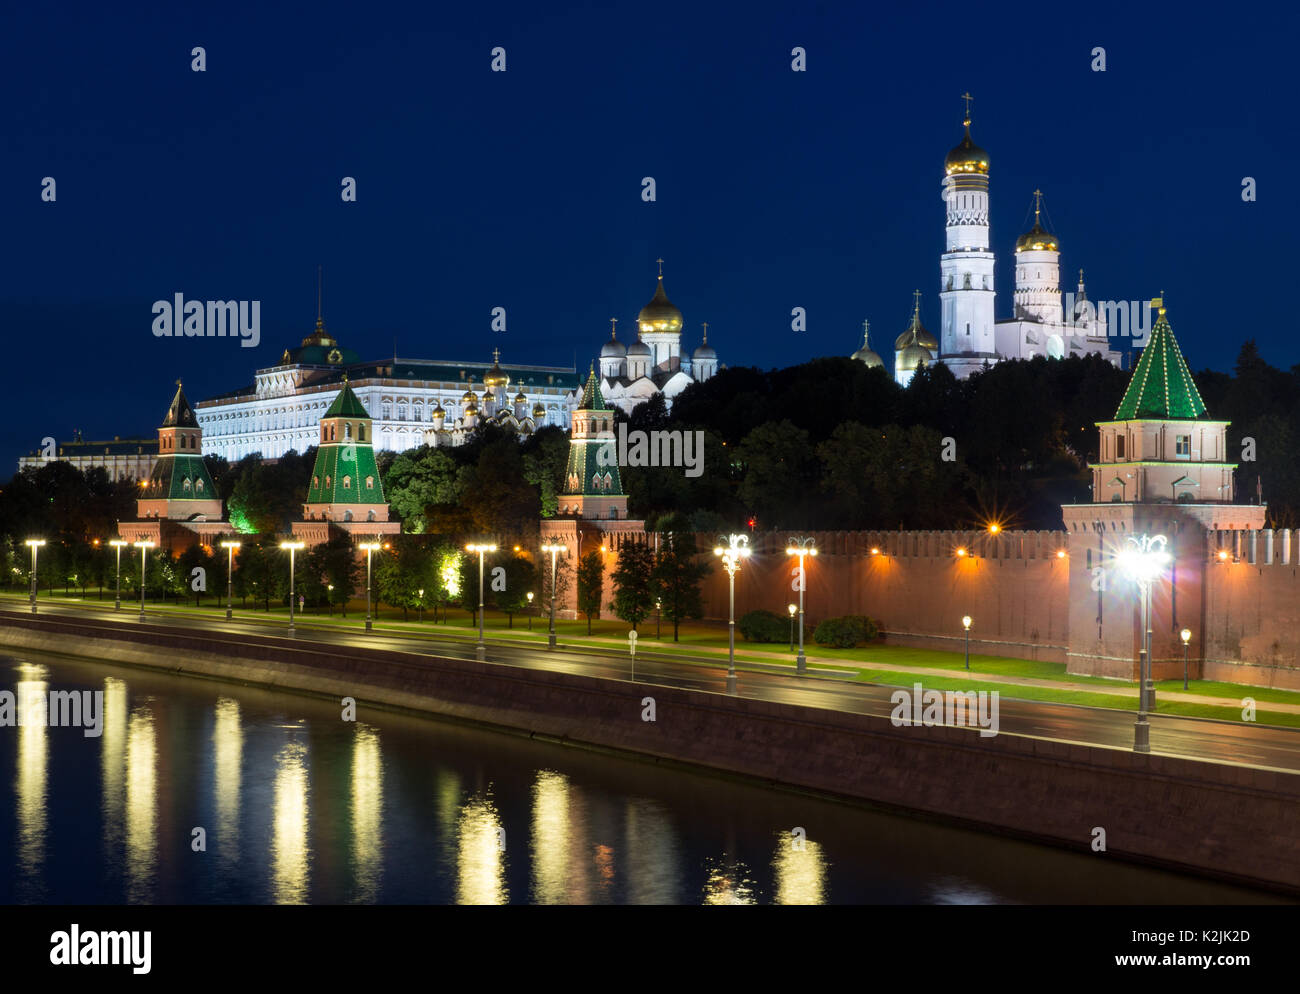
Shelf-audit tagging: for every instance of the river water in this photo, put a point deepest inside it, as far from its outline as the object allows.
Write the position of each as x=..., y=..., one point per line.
x=299, y=806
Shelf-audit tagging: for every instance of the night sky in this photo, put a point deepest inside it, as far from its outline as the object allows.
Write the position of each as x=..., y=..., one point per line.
x=522, y=189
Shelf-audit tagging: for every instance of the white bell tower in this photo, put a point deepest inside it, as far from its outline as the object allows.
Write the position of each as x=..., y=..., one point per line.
x=966, y=268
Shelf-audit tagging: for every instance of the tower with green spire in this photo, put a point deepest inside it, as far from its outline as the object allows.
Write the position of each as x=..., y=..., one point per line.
x=1161, y=446
x=345, y=485
x=592, y=486
x=179, y=487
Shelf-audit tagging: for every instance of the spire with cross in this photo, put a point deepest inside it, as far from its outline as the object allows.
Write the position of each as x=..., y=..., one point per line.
x=866, y=333
x=1038, y=204
x=613, y=329
x=661, y=268
x=705, y=325
x=968, y=98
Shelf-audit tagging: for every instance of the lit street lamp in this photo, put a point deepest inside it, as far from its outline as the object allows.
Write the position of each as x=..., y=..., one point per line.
x=530, y=610
x=793, y=609
x=34, y=544
x=1143, y=559
x=292, y=547
x=554, y=550
x=801, y=547
x=117, y=544
x=1186, y=636
x=144, y=546
x=481, y=649
x=659, y=610
x=230, y=547
x=421, y=605
x=369, y=547
x=965, y=623
x=736, y=550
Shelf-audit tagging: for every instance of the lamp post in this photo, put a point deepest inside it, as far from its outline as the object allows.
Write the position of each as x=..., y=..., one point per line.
x=554, y=550
x=530, y=610
x=736, y=550
x=659, y=610
x=801, y=547
x=1143, y=559
x=34, y=544
x=230, y=547
x=369, y=547
x=117, y=544
x=793, y=609
x=292, y=547
x=965, y=623
x=144, y=546
x=421, y=605
x=1186, y=636
x=480, y=651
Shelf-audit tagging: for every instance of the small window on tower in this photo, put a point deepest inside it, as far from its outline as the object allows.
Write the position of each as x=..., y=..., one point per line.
x=1119, y=446
x=1183, y=446
x=347, y=483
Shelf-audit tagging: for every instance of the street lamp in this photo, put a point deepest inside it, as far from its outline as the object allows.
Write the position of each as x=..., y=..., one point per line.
x=1186, y=636
x=736, y=550
x=1143, y=559
x=117, y=544
x=34, y=544
x=144, y=546
x=555, y=550
x=230, y=547
x=421, y=605
x=659, y=610
x=801, y=547
x=965, y=623
x=480, y=650
x=369, y=547
x=530, y=610
x=292, y=547
x=793, y=609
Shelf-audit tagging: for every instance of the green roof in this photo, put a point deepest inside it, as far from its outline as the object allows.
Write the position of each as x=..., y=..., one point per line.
x=179, y=477
x=1162, y=386
x=345, y=473
x=346, y=405
x=180, y=414
x=591, y=397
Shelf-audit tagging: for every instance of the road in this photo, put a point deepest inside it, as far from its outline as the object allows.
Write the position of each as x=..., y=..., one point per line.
x=1198, y=738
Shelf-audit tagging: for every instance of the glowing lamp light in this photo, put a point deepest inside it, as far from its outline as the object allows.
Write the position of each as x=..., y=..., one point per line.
x=1185, y=635
x=875, y=551
x=961, y=551
x=965, y=622
x=1223, y=555
x=792, y=608
x=1144, y=559
x=1060, y=553
x=994, y=528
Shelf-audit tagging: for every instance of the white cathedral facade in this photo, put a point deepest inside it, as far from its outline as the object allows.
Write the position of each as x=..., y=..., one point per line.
x=969, y=333
x=655, y=362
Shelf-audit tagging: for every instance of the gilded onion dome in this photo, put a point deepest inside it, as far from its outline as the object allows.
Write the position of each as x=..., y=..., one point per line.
x=660, y=314
x=438, y=412
x=520, y=398
x=471, y=411
x=916, y=332
x=913, y=356
x=496, y=376
x=865, y=354
x=539, y=411
x=1036, y=239
x=966, y=157
x=468, y=397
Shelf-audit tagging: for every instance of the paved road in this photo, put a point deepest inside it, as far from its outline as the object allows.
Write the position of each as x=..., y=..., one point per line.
x=1215, y=741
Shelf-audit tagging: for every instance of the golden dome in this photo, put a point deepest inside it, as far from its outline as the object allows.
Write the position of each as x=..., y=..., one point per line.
x=865, y=354
x=520, y=399
x=468, y=397
x=916, y=333
x=1037, y=240
x=967, y=157
x=496, y=376
x=539, y=411
x=913, y=356
x=660, y=314
x=471, y=411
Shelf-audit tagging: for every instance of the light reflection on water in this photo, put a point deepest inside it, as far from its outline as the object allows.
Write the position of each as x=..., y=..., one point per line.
x=301, y=807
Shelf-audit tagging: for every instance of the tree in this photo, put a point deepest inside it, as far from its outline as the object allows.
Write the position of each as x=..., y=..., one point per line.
x=678, y=572
x=404, y=572
x=419, y=480
x=591, y=586
x=634, y=594
x=521, y=577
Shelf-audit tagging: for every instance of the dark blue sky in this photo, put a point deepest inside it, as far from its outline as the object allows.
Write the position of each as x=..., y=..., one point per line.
x=522, y=189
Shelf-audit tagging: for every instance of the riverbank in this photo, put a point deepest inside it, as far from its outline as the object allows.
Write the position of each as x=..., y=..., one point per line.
x=1220, y=820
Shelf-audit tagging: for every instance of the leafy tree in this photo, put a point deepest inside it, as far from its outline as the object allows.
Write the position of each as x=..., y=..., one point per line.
x=521, y=577
x=678, y=572
x=591, y=586
x=634, y=595
x=419, y=480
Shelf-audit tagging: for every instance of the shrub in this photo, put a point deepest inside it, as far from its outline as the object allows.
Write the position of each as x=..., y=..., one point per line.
x=846, y=632
x=764, y=626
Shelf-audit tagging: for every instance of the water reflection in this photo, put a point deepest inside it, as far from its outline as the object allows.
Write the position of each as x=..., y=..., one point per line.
x=289, y=851
x=30, y=784
x=112, y=767
x=367, y=811
x=141, y=801
x=728, y=882
x=227, y=778
x=480, y=864
x=800, y=869
x=653, y=854
x=551, y=845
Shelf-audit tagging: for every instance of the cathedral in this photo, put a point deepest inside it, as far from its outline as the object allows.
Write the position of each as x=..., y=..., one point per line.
x=654, y=363
x=969, y=333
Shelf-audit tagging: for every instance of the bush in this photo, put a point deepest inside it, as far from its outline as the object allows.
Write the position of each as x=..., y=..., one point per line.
x=764, y=626
x=846, y=632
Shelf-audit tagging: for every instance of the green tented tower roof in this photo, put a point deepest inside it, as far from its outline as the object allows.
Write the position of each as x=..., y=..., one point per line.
x=346, y=405
x=1162, y=386
x=592, y=399
x=592, y=468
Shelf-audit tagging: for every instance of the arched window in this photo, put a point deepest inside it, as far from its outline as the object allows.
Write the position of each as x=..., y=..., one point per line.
x=315, y=480
x=361, y=432
x=347, y=431
x=185, y=484
x=327, y=482
x=347, y=483
x=198, y=486
x=370, y=483
x=370, y=516
x=347, y=515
